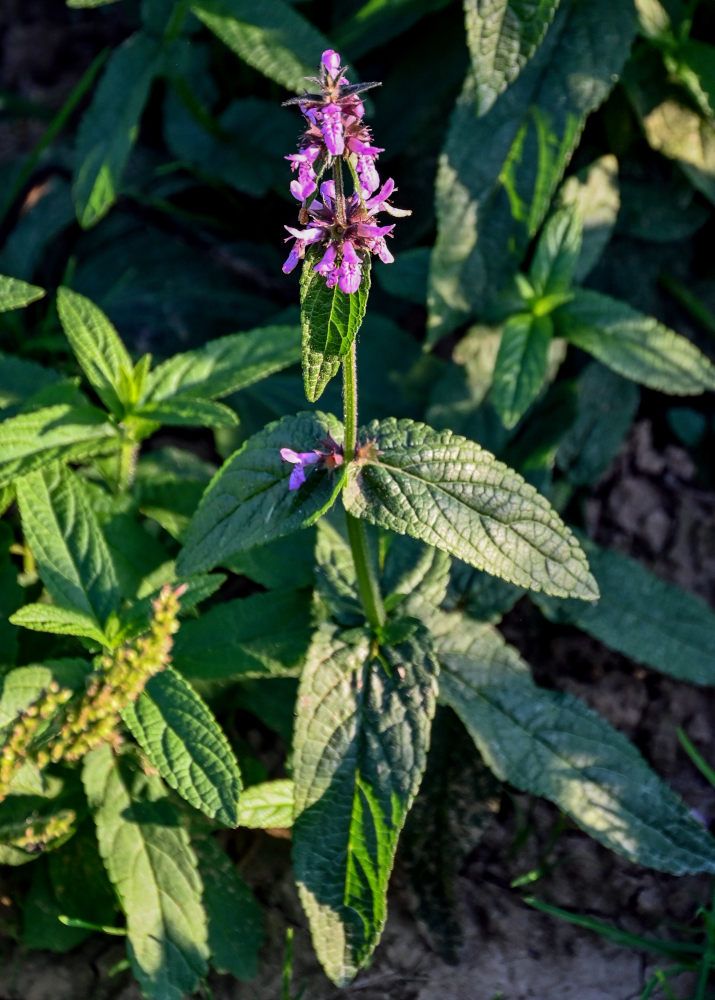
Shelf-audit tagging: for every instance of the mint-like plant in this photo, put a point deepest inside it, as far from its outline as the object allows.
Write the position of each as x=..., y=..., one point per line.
x=365, y=563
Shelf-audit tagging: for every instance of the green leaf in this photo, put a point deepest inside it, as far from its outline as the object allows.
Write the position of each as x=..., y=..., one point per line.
x=607, y=405
x=594, y=193
x=97, y=346
x=32, y=440
x=179, y=734
x=59, y=620
x=521, y=366
x=234, y=917
x=557, y=252
x=447, y=491
x=89, y=3
x=414, y=577
x=15, y=293
x=497, y=174
x=67, y=542
x=272, y=37
x=479, y=595
x=360, y=747
x=502, y=36
x=634, y=345
x=109, y=127
x=406, y=277
x=551, y=744
x=264, y=634
x=377, y=21
x=181, y=412
x=640, y=615
x=335, y=579
x=330, y=320
x=149, y=861
x=11, y=593
x=79, y=882
x=248, y=501
x=267, y=806
x=226, y=364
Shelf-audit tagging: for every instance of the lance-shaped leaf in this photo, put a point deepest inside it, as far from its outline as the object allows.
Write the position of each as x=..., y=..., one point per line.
x=264, y=634
x=226, y=364
x=58, y=620
x=634, y=345
x=15, y=293
x=271, y=36
x=183, y=740
x=502, y=36
x=150, y=862
x=330, y=320
x=267, y=806
x=110, y=126
x=497, y=174
x=234, y=917
x=181, y=412
x=447, y=491
x=557, y=252
x=97, y=346
x=248, y=501
x=552, y=744
x=66, y=540
x=521, y=365
x=360, y=748
x=644, y=617
x=32, y=440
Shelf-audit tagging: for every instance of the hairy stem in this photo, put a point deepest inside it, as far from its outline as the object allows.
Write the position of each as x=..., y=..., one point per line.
x=128, y=454
x=368, y=584
x=340, y=212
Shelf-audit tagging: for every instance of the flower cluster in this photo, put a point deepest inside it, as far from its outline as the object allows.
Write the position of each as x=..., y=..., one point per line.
x=346, y=227
x=331, y=458
x=92, y=718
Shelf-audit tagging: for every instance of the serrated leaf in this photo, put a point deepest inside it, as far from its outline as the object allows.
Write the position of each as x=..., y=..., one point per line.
x=32, y=440
x=234, y=917
x=248, y=501
x=479, y=595
x=226, y=364
x=557, y=252
x=414, y=577
x=149, y=861
x=607, y=405
x=551, y=744
x=59, y=620
x=595, y=194
x=651, y=621
x=264, y=634
x=330, y=320
x=97, y=346
x=181, y=412
x=502, y=36
x=360, y=747
x=14, y=294
x=183, y=740
x=521, y=365
x=634, y=345
x=272, y=37
x=447, y=491
x=267, y=806
x=497, y=174
x=66, y=540
x=110, y=126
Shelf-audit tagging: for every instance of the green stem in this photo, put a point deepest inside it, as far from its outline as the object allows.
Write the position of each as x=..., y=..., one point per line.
x=339, y=191
x=367, y=581
x=176, y=22
x=127, y=464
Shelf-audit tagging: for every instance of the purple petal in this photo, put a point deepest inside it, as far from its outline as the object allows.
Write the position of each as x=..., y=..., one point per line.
x=349, y=273
x=302, y=188
x=292, y=258
x=367, y=172
x=297, y=477
x=373, y=205
x=361, y=147
x=331, y=60
x=326, y=265
x=332, y=128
